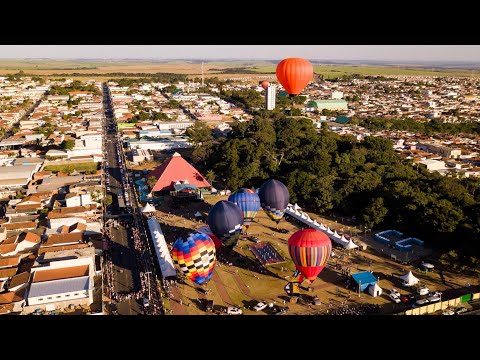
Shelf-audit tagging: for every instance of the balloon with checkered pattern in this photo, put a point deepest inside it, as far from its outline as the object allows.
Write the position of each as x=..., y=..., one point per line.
x=195, y=255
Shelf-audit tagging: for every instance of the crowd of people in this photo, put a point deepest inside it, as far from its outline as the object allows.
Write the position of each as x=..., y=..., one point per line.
x=364, y=309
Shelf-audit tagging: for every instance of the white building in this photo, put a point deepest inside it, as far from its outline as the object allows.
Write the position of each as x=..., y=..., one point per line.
x=337, y=95
x=432, y=165
x=270, y=94
x=62, y=282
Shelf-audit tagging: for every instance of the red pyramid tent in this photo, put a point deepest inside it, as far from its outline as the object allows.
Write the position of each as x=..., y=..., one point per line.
x=177, y=169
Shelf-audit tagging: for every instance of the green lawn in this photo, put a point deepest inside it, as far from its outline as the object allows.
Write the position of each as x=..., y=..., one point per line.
x=77, y=166
x=333, y=71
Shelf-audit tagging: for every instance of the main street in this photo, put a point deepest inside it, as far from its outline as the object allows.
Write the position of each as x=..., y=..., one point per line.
x=130, y=254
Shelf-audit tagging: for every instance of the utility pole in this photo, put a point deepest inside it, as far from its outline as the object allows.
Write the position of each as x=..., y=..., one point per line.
x=203, y=77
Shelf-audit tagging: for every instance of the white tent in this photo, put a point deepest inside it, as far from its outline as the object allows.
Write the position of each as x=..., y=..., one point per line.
x=214, y=190
x=315, y=223
x=304, y=216
x=197, y=214
x=148, y=208
x=375, y=290
x=351, y=245
x=323, y=227
x=409, y=279
x=329, y=230
x=297, y=213
x=343, y=238
x=296, y=207
x=336, y=234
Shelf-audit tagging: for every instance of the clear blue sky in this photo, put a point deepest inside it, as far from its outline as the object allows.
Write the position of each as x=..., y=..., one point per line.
x=467, y=53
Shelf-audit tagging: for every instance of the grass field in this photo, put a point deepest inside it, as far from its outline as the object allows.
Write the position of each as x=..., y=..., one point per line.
x=52, y=68
x=90, y=166
x=245, y=282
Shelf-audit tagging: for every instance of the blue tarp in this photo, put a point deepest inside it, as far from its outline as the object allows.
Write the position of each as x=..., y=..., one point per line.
x=365, y=279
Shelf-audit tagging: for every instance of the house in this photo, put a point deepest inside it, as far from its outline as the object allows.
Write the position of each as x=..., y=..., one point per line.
x=10, y=261
x=19, y=281
x=61, y=283
x=73, y=199
x=29, y=202
x=64, y=239
x=15, y=298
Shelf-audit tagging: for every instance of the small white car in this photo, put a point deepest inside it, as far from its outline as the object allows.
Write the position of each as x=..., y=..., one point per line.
x=434, y=298
x=423, y=290
x=233, y=311
x=260, y=306
x=395, y=291
x=420, y=302
x=394, y=298
x=448, y=312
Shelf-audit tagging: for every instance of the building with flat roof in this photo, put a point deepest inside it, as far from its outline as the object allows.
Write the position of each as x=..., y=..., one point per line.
x=330, y=104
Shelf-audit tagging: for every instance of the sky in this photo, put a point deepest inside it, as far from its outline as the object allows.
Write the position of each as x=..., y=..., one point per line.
x=463, y=53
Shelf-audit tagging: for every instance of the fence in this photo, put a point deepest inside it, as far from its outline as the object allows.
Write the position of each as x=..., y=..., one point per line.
x=431, y=308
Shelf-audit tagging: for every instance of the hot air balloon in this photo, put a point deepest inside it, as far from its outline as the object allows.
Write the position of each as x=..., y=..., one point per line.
x=225, y=220
x=206, y=230
x=248, y=201
x=309, y=249
x=195, y=256
x=264, y=84
x=274, y=198
x=294, y=74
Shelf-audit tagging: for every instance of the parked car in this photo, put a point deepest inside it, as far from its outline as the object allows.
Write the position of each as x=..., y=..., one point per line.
x=405, y=299
x=448, y=312
x=461, y=310
x=395, y=291
x=423, y=290
x=233, y=311
x=280, y=310
x=255, y=239
x=394, y=297
x=260, y=306
x=420, y=302
x=434, y=298
x=283, y=231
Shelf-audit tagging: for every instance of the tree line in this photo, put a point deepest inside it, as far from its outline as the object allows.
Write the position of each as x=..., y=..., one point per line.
x=328, y=173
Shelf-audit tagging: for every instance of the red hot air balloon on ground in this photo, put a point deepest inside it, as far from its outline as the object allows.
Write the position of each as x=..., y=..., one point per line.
x=294, y=74
x=264, y=84
x=309, y=249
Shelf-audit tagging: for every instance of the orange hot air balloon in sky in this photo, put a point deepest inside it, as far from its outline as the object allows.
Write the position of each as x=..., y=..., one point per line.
x=264, y=84
x=294, y=74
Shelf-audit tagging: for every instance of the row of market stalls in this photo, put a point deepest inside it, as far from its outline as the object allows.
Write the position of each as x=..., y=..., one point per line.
x=296, y=212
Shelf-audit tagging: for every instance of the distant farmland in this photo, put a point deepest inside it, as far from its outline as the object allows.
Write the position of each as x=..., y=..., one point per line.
x=236, y=69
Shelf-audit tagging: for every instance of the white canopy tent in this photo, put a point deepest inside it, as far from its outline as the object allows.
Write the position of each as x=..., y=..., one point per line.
x=296, y=207
x=329, y=230
x=161, y=249
x=149, y=208
x=375, y=290
x=336, y=234
x=323, y=227
x=409, y=279
x=351, y=245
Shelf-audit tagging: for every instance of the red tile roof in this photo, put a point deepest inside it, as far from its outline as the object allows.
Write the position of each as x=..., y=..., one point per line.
x=177, y=169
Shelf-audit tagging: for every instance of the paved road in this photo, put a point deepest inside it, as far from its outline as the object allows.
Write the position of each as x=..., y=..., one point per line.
x=125, y=272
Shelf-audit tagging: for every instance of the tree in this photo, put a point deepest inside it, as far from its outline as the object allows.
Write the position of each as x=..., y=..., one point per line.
x=67, y=144
x=107, y=200
x=199, y=134
x=151, y=181
x=374, y=212
x=210, y=176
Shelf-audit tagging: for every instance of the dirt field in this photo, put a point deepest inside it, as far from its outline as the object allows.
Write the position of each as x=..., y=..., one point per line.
x=246, y=282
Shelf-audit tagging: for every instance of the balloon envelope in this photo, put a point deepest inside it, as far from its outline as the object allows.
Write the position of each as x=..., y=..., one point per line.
x=195, y=255
x=206, y=230
x=274, y=199
x=294, y=74
x=225, y=219
x=248, y=201
x=264, y=84
x=309, y=249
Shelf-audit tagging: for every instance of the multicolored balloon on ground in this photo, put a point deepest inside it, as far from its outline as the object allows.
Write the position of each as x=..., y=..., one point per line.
x=309, y=249
x=195, y=256
x=248, y=201
x=274, y=198
x=225, y=219
x=206, y=230
x=294, y=74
